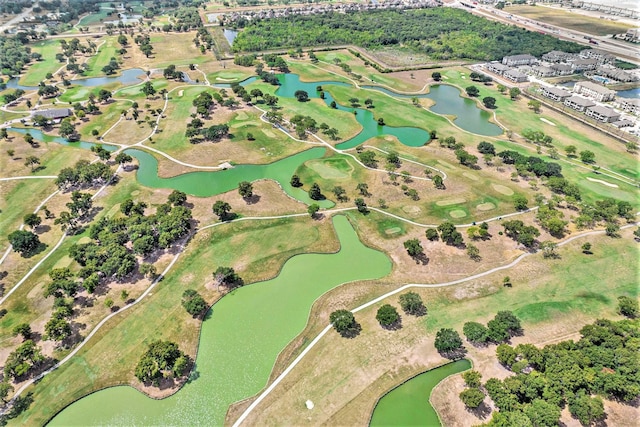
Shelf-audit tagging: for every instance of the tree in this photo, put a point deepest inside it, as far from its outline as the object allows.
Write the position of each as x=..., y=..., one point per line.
x=104, y=95
x=57, y=329
x=24, y=242
x=542, y=413
x=28, y=138
x=475, y=332
x=587, y=156
x=23, y=329
x=570, y=150
x=438, y=182
x=502, y=326
x=228, y=277
x=431, y=234
x=361, y=205
x=343, y=322
x=67, y=128
x=411, y=303
x=628, y=307
x=506, y=355
x=368, y=158
x=472, y=91
x=32, y=220
x=472, y=379
x=387, y=316
x=193, y=302
x=31, y=161
x=535, y=105
x=159, y=361
x=363, y=188
x=313, y=209
x=472, y=397
x=122, y=158
x=222, y=209
x=449, y=234
x=5, y=389
x=447, y=341
x=549, y=249
x=315, y=193
x=586, y=409
x=177, y=198
x=295, y=181
x=148, y=89
x=520, y=202
x=586, y=248
x=514, y=92
x=486, y=148
x=414, y=248
x=473, y=252
x=301, y=96
x=245, y=189
x=436, y=76
x=489, y=102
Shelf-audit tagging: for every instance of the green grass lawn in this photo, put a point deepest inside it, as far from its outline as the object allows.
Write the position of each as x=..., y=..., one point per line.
x=39, y=69
x=105, y=52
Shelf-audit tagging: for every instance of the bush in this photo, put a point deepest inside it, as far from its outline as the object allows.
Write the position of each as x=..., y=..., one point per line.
x=411, y=303
x=193, y=302
x=343, y=322
x=447, y=341
x=472, y=397
x=628, y=307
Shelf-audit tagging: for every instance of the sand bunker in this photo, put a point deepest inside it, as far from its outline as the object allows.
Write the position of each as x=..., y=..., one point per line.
x=502, y=189
x=542, y=119
x=458, y=213
x=448, y=202
x=393, y=230
x=486, y=206
x=599, y=181
x=181, y=92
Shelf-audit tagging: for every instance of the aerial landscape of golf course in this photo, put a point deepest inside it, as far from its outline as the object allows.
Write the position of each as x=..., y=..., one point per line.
x=267, y=213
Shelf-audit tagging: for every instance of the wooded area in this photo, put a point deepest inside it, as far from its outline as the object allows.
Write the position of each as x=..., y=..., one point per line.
x=442, y=33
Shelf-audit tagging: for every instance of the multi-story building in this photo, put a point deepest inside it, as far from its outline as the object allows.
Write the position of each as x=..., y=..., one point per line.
x=515, y=60
x=614, y=73
x=595, y=91
x=602, y=114
x=600, y=55
x=542, y=71
x=555, y=93
x=562, y=69
x=630, y=105
x=556, y=56
x=515, y=76
x=497, y=68
x=580, y=65
x=578, y=103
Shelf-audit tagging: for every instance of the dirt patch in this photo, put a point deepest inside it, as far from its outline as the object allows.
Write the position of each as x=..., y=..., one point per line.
x=181, y=92
x=412, y=210
x=502, y=189
x=458, y=213
x=448, y=202
x=470, y=176
x=485, y=206
x=549, y=122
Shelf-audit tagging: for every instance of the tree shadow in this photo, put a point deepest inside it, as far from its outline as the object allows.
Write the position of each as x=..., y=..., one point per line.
x=421, y=258
x=35, y=251
x=255, y=198
x=395, y=326
x=353, y=331
x=41, y=229
x=454, y=354
x=482, y=411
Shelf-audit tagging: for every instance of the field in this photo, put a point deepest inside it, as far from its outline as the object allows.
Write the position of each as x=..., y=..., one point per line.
x=299, y=264
x=572, y=21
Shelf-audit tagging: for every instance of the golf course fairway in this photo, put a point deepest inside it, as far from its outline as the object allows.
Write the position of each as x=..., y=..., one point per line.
x=240, y=340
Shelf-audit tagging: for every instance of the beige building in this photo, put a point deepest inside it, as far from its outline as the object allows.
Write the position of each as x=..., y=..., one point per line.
x=595, y=91
x=602, y=114
x=578, y=103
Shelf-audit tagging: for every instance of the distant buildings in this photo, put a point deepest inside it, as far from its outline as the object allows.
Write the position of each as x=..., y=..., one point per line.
x=595, y=91
x=515, y=60
x=614, y=73
x=600, y=55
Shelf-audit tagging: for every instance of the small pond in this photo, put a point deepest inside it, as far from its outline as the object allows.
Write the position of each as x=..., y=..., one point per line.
x=408, y=404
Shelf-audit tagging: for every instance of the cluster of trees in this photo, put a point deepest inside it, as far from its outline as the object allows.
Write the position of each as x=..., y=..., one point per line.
x=83, y=175
x=163, y=359
x=115, y=242
x=23, y=360
x=14, y=55
x=9, y=97
x=186, y=18
x=80, y=207
x=172, y=73
x=144, y=43
x=603, y=362
x=501, y=328
x=193, y=302
x=111, y=67
x=479, y=77
x=537, y=137
x=533, y=164
x=521, y=233
x=451, y=33
x=345, y=324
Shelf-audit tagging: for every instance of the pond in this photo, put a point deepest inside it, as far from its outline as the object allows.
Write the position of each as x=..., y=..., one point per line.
x=230, y=35
x=38, y=135
x=127, y=77
x=449, y=101
x=408, y=404
x=629, y=93
x=209, y=183
x=240, y=341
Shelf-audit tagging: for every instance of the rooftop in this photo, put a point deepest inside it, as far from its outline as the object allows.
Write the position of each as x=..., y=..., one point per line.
x=604, y=111
x=594, y=87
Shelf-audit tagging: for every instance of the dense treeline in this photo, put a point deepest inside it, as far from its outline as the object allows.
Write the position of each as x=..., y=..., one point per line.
x=603, y=362
x=13, y=55
x=442, y=33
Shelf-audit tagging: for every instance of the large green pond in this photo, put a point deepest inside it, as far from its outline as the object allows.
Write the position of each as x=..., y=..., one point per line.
x=240, y=341
x=408, y=404
x=210, y=183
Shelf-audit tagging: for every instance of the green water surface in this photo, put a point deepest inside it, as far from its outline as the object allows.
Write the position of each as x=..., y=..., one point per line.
x=239, y=343
x=408, y=404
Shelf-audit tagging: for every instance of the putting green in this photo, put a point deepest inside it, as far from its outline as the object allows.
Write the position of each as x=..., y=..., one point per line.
x=502, y=189
x=332, y=168
x=485, y=206
x=457, y=213
x=239, y=343
x=448, y=202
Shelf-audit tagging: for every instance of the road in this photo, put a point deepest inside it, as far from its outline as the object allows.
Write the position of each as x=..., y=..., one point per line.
x=18, y=19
